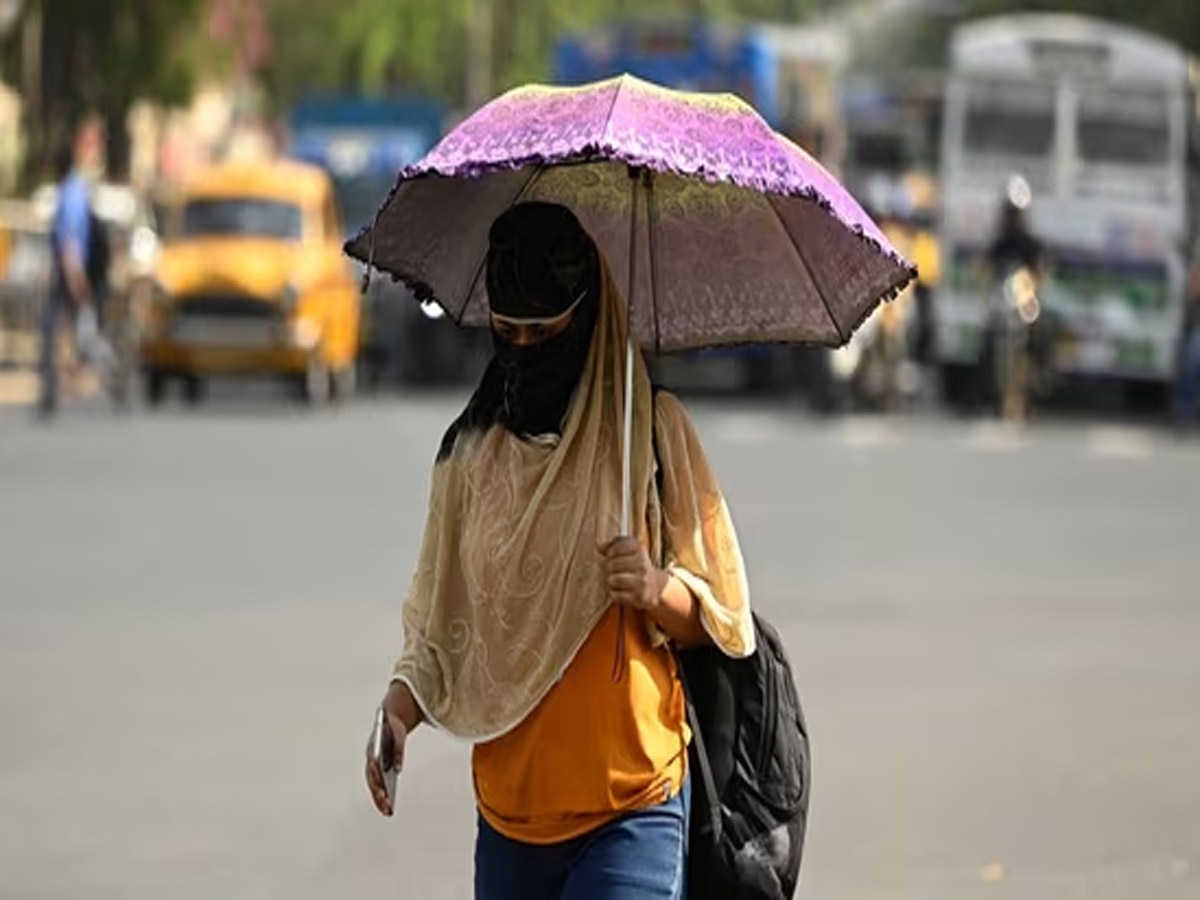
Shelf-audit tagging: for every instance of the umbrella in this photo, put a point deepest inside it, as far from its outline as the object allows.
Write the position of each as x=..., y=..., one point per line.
x=725, y=231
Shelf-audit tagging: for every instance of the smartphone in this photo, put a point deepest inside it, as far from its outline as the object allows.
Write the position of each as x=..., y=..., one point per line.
x=389, y=771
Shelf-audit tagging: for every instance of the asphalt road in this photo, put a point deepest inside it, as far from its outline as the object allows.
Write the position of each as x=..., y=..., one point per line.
x=996, y=635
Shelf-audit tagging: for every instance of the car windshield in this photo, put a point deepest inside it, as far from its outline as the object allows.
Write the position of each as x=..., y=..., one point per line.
x=242, y=216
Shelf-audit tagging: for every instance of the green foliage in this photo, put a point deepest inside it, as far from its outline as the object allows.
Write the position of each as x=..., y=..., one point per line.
x=422, y=45
x=100, y=56
x=126, y=49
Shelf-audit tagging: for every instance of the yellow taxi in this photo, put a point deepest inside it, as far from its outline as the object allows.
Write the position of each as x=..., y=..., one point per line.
x=250, y=279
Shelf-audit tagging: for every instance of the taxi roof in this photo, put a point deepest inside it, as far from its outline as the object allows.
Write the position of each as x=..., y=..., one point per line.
x=280, y=179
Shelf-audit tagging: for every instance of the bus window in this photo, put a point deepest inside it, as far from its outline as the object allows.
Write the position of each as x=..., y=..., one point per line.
x=1123, y=128
x=1009, y=120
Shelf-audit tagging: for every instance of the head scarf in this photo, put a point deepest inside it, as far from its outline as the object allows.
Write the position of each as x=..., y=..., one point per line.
x=541, y=265
x=509, y=582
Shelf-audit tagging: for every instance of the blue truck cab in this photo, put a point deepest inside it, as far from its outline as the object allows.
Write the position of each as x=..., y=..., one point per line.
x=691, y=54
x=364, y=142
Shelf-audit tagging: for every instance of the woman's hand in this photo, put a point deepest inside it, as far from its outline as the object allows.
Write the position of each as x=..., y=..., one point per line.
x=633, y=580
x=392, y=743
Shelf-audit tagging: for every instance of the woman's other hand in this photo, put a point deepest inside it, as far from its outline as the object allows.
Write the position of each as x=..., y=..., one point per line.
x=398, y=705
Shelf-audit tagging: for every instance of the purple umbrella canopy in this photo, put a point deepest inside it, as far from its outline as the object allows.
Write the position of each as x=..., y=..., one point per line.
x=736, y=234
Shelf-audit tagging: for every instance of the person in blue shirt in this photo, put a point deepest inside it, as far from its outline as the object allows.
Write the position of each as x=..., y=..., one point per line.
x=70, y=290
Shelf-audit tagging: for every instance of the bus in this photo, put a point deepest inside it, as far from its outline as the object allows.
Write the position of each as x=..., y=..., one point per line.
x=1096, y=118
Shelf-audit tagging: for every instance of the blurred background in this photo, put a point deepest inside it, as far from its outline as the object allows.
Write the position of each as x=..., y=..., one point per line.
x=975, y=524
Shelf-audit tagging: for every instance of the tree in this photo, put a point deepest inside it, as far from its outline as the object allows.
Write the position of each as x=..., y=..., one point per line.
x=101, y=56
x=367, y=45
x=425, y=46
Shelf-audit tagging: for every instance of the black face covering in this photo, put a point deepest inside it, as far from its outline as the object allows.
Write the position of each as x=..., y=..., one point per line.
x=540, y=379
x=541, y=263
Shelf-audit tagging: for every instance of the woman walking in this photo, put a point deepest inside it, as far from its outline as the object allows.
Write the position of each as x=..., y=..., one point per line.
x=535, y=631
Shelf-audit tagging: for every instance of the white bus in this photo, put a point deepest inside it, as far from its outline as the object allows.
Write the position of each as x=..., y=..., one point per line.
x=1098, y=119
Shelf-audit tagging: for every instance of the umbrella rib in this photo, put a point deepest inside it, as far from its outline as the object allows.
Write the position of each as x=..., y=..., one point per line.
x=808, y=270
x=612, y=109
x=651, y=229
x=534, y=175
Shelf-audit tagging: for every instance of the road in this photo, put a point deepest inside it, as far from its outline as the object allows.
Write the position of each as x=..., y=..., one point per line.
x=997, y=638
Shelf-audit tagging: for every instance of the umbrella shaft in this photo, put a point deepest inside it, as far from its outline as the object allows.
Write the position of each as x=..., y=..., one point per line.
x=626, y=481
x=635, y=177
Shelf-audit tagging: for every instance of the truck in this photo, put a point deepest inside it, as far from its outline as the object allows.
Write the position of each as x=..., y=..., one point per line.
x=364, y=142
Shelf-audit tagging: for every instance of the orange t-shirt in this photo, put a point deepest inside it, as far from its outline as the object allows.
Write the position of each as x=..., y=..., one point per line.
x=594, y=748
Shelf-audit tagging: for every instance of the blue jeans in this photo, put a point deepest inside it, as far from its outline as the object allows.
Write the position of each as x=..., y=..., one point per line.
x=56, y=307
x=640, y=856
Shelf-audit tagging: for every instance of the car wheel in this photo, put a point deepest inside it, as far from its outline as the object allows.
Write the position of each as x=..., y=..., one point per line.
x=194, y=390
x=316, y=383
x=345, y=383
x=154, y=388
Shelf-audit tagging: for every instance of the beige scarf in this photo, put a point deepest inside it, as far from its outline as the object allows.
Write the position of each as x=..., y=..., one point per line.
x=510, y=583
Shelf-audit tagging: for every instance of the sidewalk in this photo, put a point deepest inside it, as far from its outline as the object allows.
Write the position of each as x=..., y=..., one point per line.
x=19, y=378
x=18, y=369
x=19, y=387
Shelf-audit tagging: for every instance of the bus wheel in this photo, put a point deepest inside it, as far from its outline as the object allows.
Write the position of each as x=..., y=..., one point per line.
x=959, y=386
x=1144, y=398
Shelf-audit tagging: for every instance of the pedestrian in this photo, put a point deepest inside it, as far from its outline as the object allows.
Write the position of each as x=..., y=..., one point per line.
x=1016, y=263
x=532, y=629
x=70, y=291
x=1187, y=383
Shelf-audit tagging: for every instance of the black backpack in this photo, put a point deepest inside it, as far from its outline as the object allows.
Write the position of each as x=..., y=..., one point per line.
x=99, y=252
x=750, y=749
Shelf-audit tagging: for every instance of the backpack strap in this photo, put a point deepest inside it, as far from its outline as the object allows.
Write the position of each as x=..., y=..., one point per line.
x=708, y=783
x=700, y=757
